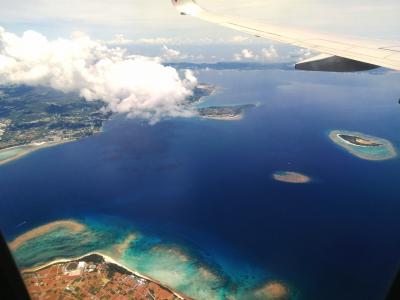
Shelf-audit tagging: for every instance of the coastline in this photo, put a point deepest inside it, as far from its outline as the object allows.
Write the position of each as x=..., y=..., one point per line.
x=376, y=155
x=28, y=149
x=224, y=118
x=108, y=259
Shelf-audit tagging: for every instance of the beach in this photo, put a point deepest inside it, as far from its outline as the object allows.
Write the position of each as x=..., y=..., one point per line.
x=108, y=259
x=13, y=153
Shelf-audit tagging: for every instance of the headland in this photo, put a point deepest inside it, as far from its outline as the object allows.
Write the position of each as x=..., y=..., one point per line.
x=93, y=276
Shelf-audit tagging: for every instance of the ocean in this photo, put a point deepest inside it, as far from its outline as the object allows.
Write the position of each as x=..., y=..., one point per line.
x=205, y=187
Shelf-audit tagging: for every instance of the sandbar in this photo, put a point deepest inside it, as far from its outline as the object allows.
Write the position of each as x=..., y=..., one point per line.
x=274, y=291
x=38, y=231
x=291, y=177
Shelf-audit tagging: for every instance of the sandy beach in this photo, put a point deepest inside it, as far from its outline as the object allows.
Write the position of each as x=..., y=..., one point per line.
x=23, y=150
x=224, y=118
x=108, y=259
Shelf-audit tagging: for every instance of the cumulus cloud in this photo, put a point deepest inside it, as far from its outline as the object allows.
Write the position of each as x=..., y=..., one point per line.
x=245, y=54
x=135, y=85
x=266, y=54
x=301, y=54
x=269, y=53
x=171, y=54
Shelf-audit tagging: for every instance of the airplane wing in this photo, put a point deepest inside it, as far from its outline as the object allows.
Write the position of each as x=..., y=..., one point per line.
x=338, y=54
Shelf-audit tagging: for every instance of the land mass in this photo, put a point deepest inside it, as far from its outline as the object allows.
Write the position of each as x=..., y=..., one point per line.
x=94, y=276
x=363, y=146
x=358, y=141
x=170, y=269
x=32, y=118
x=201, y=91
x=226, y=113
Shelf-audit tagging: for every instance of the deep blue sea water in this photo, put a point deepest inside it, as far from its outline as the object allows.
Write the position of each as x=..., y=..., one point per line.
x=206, y=185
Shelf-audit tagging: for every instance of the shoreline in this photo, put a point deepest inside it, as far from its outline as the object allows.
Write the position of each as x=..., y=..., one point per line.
x=28, y=149
x=353, y=149
x=107, y=259
x=222, y=118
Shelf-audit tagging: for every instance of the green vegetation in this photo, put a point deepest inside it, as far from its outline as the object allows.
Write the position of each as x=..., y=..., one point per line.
x=201, y=91
x=93, y=259
x=41, y=115
x=114, y=268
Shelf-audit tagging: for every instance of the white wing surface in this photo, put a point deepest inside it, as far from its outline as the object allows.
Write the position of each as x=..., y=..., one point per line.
x=339, y=54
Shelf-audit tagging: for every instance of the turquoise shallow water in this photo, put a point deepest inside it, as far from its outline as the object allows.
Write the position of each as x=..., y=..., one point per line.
x=178, y=265
x=203, y=189
x=6, y=154
x=383, y=152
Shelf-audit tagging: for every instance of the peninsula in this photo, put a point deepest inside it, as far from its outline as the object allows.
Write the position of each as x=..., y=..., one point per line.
x=363, y=146
x=32, y=118
x=94, y=276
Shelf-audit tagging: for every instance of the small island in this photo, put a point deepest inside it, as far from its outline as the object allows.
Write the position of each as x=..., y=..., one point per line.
x=363, y=146
x=291, y=177
x=225, y=113
x=94, y=276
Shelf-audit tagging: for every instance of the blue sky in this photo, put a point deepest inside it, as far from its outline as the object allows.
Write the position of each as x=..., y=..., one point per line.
x=79, y=46
x=157, y=19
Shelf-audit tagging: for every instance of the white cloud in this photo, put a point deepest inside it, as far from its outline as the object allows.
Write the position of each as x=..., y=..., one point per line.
x=301, y=54
x=266, y=54
x=272, y=55
x=169, y=54
x=269, y=53
x=245, y=54
x=135, y=85
x=120, y=39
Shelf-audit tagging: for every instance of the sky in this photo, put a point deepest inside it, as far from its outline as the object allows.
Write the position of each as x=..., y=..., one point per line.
x=157, y=19
x=116, y=50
